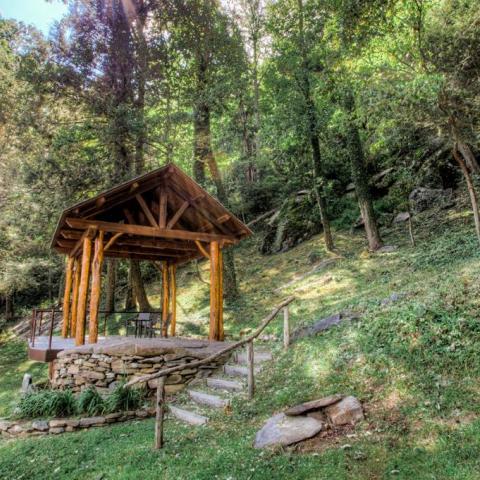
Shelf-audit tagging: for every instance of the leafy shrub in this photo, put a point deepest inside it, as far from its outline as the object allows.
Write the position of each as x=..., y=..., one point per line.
x=91, y=402
x=48, y=403
x=124, y=398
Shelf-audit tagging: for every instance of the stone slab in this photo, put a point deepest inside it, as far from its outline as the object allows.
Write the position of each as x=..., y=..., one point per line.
x=281, y=430
x=306, y=407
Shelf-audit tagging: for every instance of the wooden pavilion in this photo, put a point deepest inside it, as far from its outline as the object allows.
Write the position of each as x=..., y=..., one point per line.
x=163, y=216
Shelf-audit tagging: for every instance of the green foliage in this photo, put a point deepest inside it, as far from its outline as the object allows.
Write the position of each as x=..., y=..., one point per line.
x=91, y=402
x=48, y=403
x=124, y=398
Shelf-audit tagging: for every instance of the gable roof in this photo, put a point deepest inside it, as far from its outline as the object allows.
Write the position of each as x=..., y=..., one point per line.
x=162, y=215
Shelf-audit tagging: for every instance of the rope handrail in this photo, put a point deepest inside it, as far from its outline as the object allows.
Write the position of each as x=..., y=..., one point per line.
x=211, y=358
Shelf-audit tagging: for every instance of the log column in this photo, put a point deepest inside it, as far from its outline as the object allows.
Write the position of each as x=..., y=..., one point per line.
x=96, y=288
x=74, y=307
x=83, y=291
x=172, y=270
x=216, y=293
x=67, y=295
x=165, y=302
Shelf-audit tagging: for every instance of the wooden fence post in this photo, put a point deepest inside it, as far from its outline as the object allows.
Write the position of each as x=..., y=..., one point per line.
x=251, y=367
x=286, y=328
x=160, y=412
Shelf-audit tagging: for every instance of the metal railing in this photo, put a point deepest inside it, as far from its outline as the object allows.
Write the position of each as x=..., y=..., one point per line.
x=45, y=320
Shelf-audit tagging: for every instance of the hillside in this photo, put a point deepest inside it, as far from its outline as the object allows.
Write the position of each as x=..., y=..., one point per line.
x=412, y=358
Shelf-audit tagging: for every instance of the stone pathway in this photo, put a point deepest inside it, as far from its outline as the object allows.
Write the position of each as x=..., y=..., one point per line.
x=216, y=392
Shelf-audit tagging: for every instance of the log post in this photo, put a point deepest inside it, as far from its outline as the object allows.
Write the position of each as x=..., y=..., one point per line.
x=214, y=291
x=221, y=333
x=160, y=412
x=74, y=307
x=173, y=295
x=165, y=299
x=96, y=288
x=251, y=370
x=286, y=328
x=67, y=295
x=83, y=291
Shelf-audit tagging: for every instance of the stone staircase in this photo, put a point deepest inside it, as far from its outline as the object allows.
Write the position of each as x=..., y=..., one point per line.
x=216, y=392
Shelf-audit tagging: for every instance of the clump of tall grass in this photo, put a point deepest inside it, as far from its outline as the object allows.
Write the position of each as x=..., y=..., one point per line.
x=48, y=403
x=91, y=402
x=125, y=398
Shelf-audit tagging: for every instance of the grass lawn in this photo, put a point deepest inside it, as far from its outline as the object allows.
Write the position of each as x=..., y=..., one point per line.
x=414, y=363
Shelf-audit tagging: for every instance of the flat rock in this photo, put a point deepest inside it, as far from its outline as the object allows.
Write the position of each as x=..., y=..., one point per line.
x=221, y=384
x=207, y=399
x=387, y=249
x=187, y=416
x=312, y=405
x=5, y=425
x=92, y=421
x=258, y=357
x=323, y=324
x=347, y=411
x=40, y=425
x=281, y=430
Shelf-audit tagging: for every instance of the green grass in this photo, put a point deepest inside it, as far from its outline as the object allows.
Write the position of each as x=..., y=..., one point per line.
x=414, y=363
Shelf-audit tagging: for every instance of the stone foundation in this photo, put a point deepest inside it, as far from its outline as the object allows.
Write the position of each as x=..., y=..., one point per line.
x=105, y=364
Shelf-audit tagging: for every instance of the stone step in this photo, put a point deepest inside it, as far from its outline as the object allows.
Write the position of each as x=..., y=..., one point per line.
x=238, y=370
x=222, y=384
x=187, y=416
x=206, y=399
x=258, y=357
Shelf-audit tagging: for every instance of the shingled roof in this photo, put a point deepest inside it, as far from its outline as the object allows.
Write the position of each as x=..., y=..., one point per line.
x=163, y=215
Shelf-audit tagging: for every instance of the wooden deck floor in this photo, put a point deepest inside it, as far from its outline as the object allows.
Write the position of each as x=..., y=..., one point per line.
x=41, y=352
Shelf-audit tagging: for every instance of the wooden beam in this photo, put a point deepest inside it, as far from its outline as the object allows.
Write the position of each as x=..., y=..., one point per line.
x=83, y=292
x=202, y=249
x=165, y=299
x=177, y=215
x=76, y=286
x=162, y=210
x=112, y=241
x=66, y=295
x=173, y=296
x=129, y=216
x=144, y=231
x=135, y=242
x=146, y=211
x=96, y=288
x=90, y=233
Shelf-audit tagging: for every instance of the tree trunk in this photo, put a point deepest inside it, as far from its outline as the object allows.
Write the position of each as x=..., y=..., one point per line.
x=471, y=190
x=9, y=310
x=110, y=285
x=203, y=156
x=138, y=287
x=130, y=301
x=312, y=124
x=360, y=179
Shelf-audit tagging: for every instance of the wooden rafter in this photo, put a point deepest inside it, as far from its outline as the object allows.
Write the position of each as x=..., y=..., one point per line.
x=89, y=233
x=146, y=211
x=178, y=214
x=112, y=241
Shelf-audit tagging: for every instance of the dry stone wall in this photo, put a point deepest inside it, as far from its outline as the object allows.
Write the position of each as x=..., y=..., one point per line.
x=105, y=365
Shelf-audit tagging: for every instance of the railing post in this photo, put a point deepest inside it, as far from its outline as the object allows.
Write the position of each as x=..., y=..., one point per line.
x=34, y=326
x=50, y=333
x=251, y=366
x=160, y=411
x=286, y=328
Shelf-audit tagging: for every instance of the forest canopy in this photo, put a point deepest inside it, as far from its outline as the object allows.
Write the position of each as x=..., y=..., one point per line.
x=268, y=104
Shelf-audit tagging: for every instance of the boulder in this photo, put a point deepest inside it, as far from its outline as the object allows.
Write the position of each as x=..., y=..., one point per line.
x=313, y=405
x=401, y=217
x=296, y=221
x=92, y=421
x=282, y=430
x=422, y=198
x=5, y=425
x=347, y=411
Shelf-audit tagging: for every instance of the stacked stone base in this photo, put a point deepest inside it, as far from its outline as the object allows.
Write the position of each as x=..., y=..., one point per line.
x=105, y=365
